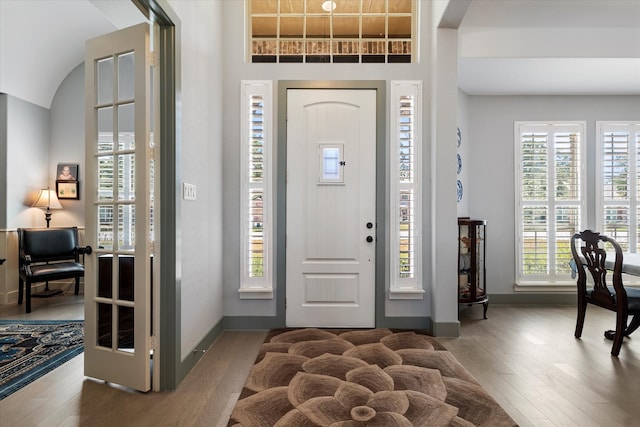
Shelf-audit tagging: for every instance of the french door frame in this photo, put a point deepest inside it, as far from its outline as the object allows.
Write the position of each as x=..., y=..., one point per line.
x=171, y=369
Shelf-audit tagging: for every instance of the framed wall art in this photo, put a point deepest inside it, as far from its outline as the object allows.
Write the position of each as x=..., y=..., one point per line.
x=68, y=189
x=67, y=172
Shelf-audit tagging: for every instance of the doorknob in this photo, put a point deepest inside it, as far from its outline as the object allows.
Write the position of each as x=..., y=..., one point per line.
x=369, y=225
x=369, y=239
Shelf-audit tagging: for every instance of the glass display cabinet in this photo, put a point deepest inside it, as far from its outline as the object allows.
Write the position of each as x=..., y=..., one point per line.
x=472, y=272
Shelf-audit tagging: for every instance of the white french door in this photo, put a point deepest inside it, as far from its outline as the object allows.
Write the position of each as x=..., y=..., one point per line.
x=331, y=224
x=120, y=159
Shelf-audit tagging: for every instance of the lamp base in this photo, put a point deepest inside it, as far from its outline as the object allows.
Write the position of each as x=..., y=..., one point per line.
x=48, y=293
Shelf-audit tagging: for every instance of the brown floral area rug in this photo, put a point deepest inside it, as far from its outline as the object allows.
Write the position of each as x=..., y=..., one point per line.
x=348, y=378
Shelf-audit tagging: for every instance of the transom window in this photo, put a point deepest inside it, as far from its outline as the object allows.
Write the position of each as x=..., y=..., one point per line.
x=338, y=31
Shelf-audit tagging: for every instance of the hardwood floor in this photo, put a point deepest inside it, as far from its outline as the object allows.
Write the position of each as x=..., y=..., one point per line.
x=525, y=356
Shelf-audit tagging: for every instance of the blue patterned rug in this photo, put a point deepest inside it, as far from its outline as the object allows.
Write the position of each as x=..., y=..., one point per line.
x=31, y=348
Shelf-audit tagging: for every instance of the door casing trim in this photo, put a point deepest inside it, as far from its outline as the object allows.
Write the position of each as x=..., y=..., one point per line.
x=281, y=186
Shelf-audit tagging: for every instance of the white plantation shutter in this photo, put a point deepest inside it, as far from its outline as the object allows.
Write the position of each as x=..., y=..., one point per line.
x=549, y=161
x=618, y=195
x=406, y=281
x=256, y=200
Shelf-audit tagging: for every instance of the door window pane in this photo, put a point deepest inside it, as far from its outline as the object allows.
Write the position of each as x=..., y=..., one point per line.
x=105, y=129
x=126, y=227
x=331, y=164
x=105, y=227
x=105, y=81
x=126, y=177
x=126, y=63
x=126, y=127
x=105, y=177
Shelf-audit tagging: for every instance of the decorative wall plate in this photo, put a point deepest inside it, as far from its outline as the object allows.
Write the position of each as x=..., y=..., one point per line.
x=459, y=190
x=459, y=137
x=459, y=164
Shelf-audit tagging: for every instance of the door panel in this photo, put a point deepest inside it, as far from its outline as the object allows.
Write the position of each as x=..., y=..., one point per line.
x=119, y=198
x=330, y=199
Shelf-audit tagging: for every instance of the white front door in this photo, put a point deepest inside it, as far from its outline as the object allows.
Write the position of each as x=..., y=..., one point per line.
x=120, y=159
x=331, y=224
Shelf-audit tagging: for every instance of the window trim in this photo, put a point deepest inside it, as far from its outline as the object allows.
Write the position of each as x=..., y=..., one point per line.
x=405, y=288
x=539, y=282
x=256, y=287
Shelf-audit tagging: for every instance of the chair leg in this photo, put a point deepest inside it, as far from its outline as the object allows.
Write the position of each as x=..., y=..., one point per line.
x=27, y=290
x=20, y=290
x=77, y=285
x=621, y=326
x=582, y=310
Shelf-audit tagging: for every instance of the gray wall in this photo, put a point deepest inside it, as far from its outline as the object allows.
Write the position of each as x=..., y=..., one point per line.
x=237, y=69
x=200, y=162
x=491, y=166
x=27, y=167
x=24, y=160
x=67, y=142
x=463, y=151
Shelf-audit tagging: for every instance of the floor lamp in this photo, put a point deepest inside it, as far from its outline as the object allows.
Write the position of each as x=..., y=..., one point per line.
x=48, y=200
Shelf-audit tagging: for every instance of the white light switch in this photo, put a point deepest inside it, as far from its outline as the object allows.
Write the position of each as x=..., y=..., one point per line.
x=188, y=191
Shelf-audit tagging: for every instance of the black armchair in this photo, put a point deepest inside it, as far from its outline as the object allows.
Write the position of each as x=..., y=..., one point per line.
x=46, y=255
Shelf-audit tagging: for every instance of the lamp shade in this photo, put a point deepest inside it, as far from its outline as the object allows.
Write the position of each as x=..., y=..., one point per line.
x=47, y=199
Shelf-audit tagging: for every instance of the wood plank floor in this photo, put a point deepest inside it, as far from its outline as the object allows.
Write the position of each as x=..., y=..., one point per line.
x=525, y=356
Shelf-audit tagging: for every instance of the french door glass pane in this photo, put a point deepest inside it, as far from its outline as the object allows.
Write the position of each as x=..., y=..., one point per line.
x=126, y=86
x=126, y=177
x=105, y=178
x=126, y=140
x=125, y=277
x=126, y=227
x=105, y=319
x=105, y=227
x=105, y=129
x=105, y=81
x=125, y=327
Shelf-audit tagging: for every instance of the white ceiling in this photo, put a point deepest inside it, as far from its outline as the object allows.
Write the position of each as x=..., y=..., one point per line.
x=42, y=41
x=505, y=46
x=550, y=47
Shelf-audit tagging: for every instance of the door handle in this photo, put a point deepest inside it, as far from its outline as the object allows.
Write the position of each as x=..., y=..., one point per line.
x=369, y=239
x=369, y=225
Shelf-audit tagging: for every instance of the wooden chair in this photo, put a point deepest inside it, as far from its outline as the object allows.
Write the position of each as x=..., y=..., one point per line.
x=616, y=298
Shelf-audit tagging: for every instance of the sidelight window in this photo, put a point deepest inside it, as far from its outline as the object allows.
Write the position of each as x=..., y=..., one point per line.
x=406, y=275
x=256, y=198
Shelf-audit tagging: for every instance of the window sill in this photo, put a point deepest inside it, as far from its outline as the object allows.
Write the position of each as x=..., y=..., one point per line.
x=415, y=294
x=566, y=287
x=545, y=287
x=255, y=293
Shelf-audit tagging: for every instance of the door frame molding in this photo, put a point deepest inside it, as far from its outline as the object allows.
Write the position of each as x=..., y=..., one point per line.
x=381, y=194
x=172, y=369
